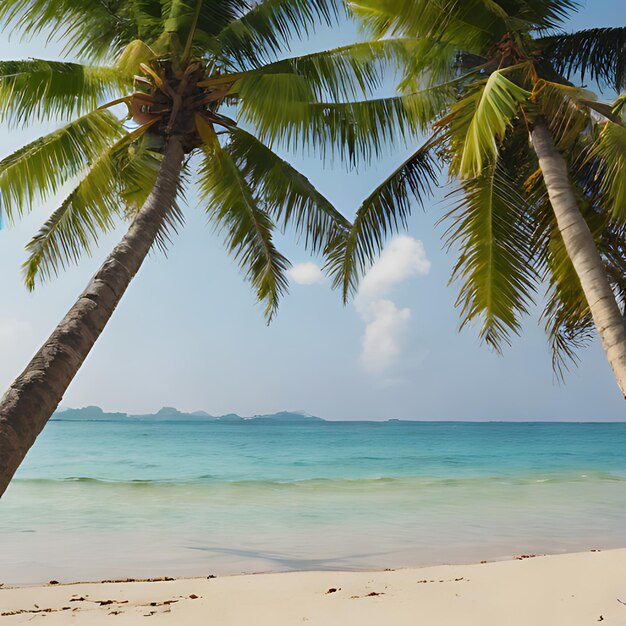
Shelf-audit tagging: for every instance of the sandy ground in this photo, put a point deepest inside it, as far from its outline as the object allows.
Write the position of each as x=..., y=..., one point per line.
x=563, y=590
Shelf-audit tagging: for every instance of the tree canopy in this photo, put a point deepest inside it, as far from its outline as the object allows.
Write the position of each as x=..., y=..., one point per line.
x=480, y=74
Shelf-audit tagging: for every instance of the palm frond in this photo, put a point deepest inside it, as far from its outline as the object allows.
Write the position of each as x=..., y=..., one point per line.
x=348, y=72
x=609, y=150
x=481, y=119
x=382, y=213
x=38, y=170
x=546, y=15
x=420, y=18
x=566, y=316
x=128, y=62
x=489, y=225
x=354, y=131
x=597, y=53
x=116, y=186
x=263, y=33
x=186, y=24
x=233, y=208
x=434, y=62
x=470, y=25
x=286, y=195
x=95, y=30
x=51, y=89
x=613, y=249
x=565, y=109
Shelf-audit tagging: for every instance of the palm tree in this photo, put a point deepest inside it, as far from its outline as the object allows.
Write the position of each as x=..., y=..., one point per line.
x=539, y=164
x=177, y=69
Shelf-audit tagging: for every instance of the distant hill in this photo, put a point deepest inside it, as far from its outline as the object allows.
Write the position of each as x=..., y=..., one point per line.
x=287, y=416
x=169, y=414
x=90, y=413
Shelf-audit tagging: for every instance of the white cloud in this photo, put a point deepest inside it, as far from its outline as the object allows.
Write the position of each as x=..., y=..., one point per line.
x=402, y=259
x=305, y=274
x=386, y=324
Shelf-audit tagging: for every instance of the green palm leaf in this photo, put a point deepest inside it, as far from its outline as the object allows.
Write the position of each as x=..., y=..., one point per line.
x=566, y=315
x=96, y=30
x=264, y=32
x=41, y=90
x=287, y=195
x=355, y=131
x=597, y=53
x=385, y=211
x=234, y=208
x=486, y=114
x=470, y=25
x=489, y=225
x=187, y=23
x=116, y=185
x=347, y=72
x=566, y=110
x=610, y=151
x=38, y=170
x=567, y=318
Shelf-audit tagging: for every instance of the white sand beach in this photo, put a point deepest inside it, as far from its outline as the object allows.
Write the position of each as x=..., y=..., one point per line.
x=570, y=589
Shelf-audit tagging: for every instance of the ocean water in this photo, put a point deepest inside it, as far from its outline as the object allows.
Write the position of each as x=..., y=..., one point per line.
x=98, y=500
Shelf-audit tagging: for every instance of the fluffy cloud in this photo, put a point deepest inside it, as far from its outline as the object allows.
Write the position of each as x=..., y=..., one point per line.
x=305, y=274
x=386, y=324
x=403, y=258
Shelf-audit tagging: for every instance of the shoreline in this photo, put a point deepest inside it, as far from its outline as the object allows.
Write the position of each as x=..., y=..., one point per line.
x=576, y=588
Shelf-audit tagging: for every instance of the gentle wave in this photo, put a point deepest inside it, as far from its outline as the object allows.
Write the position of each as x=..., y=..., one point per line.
x=405, y=481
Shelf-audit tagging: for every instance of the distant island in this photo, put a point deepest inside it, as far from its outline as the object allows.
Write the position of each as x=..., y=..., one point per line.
x=167, y=413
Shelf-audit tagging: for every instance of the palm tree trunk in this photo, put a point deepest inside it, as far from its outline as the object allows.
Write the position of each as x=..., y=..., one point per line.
x=36, y=393
x=583, y=252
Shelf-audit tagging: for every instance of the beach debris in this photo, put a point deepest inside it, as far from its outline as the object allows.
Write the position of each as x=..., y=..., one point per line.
x=601, y=619
x=108, y=602
x=54, y=582
x=521, y=557
x=193, y=596
x=159, y=579
x=211, y=576
x=596, y=550
x=333, y=590
x=483, y=562
x=371, y=594
x=621, y=601
x=164, y=603
x=77, y=599
x=24, y=611
x=449, y=580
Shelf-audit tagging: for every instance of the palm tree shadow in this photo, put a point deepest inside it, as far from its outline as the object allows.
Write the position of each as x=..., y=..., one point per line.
x=293, y=563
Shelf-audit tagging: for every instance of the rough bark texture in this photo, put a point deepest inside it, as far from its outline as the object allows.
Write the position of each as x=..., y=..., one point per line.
x=583, y=252
x=36, y=393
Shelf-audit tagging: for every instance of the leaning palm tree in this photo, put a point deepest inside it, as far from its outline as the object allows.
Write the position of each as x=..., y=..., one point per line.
x=162, y=100
x=539, y=164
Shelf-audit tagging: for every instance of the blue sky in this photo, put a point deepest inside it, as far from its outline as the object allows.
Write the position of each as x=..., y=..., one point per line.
x=189, y=334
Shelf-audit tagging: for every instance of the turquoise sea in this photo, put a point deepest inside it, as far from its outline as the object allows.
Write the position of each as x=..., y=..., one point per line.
x=135, y=499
